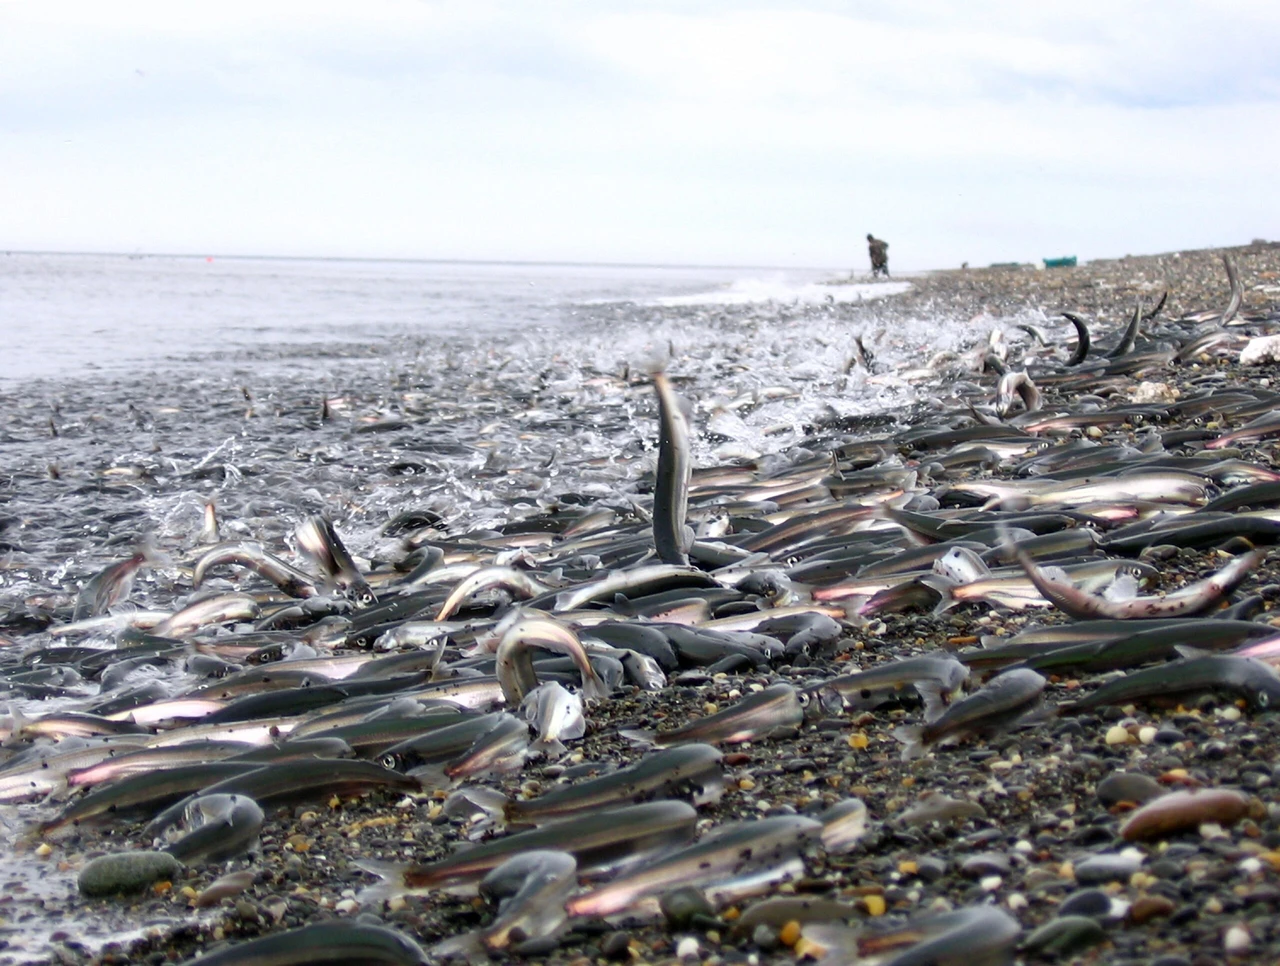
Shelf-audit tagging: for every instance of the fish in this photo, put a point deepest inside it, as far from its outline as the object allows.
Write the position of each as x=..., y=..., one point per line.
x=288, y=578
x=335, y=941
x=1190, y=600
x=771, y=846
x=211, y=610
x=508, y=578
x=606, y=839
x=1245, y=677
x=515, y=663
x=143, y=793
x=1005, y=700
x=532, y=888
x=555, y=713
x=214, y=828
x=110, y=585
x=935, y=678
x=127, y=761
x=320, y=541
x=1081, y=350
x=778, y=707
x=299, y=780
x=981, y=935
x=500, y=750
x=690, y=772
x=671, y=535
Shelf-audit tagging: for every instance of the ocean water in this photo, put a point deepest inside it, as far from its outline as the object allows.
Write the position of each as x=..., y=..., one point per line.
x=66, y=316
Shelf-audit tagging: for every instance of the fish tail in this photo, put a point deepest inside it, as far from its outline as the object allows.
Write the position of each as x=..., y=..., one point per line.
x=934, y=702
x=432, y=777
x=640, y=736
x=944, y=588
x=473, y=800
x=594, y=689
x=392, y=884
x=912, y=738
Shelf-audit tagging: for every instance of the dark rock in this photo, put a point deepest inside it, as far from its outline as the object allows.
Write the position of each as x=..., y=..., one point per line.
x=1064, y=936
x=679, y=906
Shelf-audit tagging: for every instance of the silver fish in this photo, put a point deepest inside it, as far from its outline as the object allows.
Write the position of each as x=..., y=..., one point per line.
x=1007, y=698
x=556, y=713
x=671, y=536
x=728, y=853
x=514, y=663
x=777, y=708
x=609, y=838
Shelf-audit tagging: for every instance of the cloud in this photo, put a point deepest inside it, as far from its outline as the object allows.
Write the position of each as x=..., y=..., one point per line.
x=713, y=132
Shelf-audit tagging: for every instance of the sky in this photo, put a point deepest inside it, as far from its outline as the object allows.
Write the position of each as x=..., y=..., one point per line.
x=715, y=133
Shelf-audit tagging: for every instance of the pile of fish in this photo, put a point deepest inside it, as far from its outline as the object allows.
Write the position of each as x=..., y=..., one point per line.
x=274, y=680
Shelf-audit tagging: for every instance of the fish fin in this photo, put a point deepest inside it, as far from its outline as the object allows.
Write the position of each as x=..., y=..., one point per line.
x=431, y=777
x=912, y=738
x=20, y=721
x=467, y=947
x=392, y=884
x=478, y=800
x=1123, y=587
x=1188, y=650
x=594, y=689
x=935, y=703
x=548, y=747
x=640, y=736
x=622, y=604
x=833, y=943
x=943, y=586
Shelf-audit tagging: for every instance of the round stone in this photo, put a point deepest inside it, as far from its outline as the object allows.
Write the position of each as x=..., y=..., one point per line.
x=125, y=872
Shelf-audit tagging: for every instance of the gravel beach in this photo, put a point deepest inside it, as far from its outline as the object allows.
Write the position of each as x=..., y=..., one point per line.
x=1037, y=831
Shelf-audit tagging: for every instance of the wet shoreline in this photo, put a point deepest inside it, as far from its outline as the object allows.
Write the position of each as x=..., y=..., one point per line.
x=410, y=433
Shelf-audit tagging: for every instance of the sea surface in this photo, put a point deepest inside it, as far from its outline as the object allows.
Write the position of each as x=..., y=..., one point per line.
x=68, y=316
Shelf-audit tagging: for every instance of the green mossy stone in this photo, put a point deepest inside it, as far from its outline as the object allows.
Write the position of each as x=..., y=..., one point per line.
x=125, y=872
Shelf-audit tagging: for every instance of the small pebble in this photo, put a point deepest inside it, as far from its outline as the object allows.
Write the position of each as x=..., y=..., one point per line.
x=687, y=948
x=1236, y=940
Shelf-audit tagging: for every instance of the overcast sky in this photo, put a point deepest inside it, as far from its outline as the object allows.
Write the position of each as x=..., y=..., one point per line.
x=684, y=132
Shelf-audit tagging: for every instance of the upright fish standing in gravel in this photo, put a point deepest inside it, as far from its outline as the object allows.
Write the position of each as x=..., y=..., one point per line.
x=557, y=713
x=671, y=537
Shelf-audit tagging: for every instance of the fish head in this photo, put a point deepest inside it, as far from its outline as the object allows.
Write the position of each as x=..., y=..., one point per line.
x=821, y=702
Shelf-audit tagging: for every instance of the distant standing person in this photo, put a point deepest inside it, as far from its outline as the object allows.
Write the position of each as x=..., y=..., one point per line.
x=879, y=250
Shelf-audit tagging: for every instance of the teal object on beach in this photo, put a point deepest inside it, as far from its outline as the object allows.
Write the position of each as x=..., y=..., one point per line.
x=1066, y=261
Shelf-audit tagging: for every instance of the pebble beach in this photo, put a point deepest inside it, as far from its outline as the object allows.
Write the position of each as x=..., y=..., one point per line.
x=493, y=451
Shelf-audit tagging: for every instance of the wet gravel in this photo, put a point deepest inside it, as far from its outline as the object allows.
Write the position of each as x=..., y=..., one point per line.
x=88, y=470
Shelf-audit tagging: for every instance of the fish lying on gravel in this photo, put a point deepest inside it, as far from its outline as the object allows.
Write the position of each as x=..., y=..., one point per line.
x=1000, y=704
x=606, y=839
x=778, y=707
x=1256, y=682
x=935, y=678
x=764, y=850
x=691, y=771
x=337, y=941
x=531, y=889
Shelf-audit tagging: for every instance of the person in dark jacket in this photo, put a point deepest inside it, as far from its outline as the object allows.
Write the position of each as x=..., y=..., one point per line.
x=879, y=250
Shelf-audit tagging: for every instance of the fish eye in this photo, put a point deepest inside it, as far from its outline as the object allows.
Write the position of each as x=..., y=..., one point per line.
x=1263, y=699
x=803, y=697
